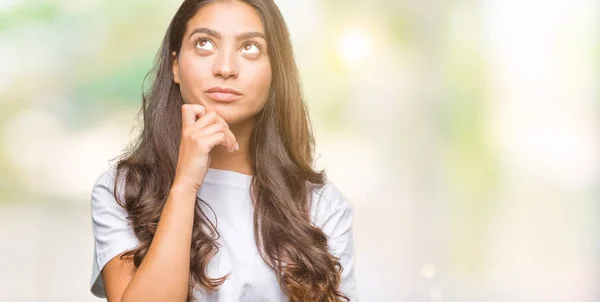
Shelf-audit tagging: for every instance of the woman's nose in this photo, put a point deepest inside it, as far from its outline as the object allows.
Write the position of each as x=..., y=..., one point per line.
x=226, y=65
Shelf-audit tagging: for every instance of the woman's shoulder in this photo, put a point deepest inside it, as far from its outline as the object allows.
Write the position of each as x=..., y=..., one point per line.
x=327, y=200
x=104, y=185
x=106, y=176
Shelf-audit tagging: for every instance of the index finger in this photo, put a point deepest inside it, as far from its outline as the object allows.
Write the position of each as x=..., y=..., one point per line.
x=189, y=112
x=221, y=120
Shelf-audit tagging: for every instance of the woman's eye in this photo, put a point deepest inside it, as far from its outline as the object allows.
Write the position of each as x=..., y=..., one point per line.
x=251, y=48
x=205, y=44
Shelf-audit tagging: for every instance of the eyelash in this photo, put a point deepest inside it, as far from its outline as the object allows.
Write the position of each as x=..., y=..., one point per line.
x=199, y=39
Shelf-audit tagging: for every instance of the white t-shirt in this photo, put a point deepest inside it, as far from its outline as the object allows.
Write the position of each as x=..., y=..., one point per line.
x=228, y=194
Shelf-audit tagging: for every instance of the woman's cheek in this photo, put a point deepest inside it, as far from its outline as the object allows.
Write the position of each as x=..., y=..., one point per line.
x=264, y=80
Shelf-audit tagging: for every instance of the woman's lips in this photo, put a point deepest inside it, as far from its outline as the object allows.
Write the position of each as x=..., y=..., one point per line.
x=223, y=96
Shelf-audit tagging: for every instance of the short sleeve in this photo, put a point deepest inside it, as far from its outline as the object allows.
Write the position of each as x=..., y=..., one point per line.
x=335, y=215
x=112, y=233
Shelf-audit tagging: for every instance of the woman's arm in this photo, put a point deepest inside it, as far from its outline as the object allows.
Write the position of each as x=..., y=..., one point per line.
x=164, y=273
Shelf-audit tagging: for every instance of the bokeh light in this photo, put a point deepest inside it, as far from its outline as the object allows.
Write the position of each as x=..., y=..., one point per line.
x=354, y=46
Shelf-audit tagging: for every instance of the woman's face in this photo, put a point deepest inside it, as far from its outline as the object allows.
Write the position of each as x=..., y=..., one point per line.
x=223, y=64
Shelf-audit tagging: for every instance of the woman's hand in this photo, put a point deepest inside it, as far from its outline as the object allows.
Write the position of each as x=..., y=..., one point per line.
x=198, y=138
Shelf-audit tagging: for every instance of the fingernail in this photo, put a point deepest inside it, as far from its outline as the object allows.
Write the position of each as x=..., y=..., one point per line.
x=237, y=146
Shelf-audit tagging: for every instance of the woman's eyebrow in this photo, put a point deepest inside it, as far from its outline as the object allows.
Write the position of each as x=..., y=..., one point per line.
x=217, y=35
x=207, y=31
x=249, y=35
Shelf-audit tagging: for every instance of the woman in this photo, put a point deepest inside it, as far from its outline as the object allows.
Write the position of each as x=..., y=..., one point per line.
x=217, y=200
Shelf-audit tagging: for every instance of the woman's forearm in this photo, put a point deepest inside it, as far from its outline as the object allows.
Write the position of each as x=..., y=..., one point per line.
x=164, y=272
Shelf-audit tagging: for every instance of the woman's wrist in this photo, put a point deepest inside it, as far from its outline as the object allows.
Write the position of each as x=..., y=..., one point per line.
x=181, y=187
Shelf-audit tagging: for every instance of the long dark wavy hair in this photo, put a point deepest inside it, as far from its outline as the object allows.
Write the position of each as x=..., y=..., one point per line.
x=281, y=149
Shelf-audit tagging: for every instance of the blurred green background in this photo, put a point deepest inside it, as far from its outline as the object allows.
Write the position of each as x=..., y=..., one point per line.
x=465, y=133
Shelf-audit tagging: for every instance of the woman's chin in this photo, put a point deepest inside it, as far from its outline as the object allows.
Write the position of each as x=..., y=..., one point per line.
x=230, y=115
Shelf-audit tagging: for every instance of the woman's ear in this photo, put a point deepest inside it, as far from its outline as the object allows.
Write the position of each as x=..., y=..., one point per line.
x=175, y=68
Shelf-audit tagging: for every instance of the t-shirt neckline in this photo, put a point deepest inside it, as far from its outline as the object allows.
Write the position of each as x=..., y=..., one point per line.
x=227, y=177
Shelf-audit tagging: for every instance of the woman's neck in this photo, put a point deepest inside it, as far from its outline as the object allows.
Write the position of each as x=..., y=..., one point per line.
x=237, y=161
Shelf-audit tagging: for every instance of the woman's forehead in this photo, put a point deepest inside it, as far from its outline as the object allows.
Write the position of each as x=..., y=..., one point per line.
x=227, y=19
